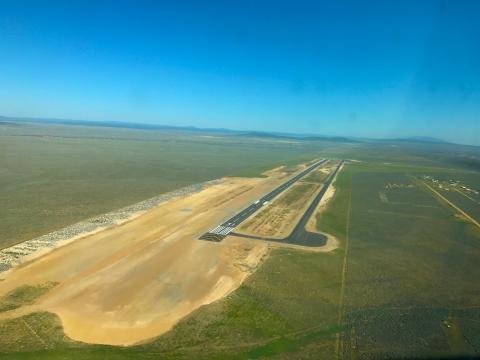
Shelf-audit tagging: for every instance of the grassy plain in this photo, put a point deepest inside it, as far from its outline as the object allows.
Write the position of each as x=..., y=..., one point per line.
x=467, y=202
x=52, y=176
x=410, y=288
x=409, y=280
x=411, y=272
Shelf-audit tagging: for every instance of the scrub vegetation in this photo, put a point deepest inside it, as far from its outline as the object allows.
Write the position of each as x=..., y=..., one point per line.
x=23, y=295
x=54, y=176
x=403, y=283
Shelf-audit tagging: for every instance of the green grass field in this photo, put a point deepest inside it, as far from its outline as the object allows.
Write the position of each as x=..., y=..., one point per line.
x=411, y=269
x=404, y=283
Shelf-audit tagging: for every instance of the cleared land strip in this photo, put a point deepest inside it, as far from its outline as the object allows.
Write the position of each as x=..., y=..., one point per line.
x=280, y=217
x=472, y=220
x=14, y=255
x=133, y=282
x=299, y=235
x=219, y=233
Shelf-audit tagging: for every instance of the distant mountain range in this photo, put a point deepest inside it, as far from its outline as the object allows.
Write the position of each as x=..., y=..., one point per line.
x=220, y=131
x=422, y=139
x=288, y=136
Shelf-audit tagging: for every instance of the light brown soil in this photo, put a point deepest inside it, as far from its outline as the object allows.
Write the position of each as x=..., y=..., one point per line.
x=278, y=219
x=132, y=282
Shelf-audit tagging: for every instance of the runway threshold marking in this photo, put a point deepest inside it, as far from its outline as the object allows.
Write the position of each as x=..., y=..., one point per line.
x=220, y=232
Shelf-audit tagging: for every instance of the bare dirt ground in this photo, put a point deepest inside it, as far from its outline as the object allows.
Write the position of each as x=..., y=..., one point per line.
x=332, y=241
x=134, y=281
x=278, y=219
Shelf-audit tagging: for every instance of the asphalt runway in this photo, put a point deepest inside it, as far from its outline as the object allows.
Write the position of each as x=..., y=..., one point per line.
x=299, y=235
x=220, y=232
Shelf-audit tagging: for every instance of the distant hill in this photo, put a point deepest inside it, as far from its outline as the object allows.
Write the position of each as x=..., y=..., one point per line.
x=298, y=137
x=331, y=138
x=113, y=124
x=8, y=123
x=141, y=126
x=217, y=131
x=422, y=139
x=261, y=134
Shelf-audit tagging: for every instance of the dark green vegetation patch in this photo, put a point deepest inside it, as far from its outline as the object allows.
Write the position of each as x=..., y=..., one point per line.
x=24, y=295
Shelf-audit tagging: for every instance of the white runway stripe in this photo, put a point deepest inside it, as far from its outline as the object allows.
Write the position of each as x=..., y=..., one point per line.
x=219, y=230
x=228, y=230
x=222, y=230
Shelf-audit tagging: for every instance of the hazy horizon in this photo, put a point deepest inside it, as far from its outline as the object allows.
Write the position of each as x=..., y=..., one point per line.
x=159, y=126
x=376, y=70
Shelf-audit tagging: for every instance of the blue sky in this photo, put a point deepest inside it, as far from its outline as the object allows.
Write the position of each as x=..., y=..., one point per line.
x=352, y=68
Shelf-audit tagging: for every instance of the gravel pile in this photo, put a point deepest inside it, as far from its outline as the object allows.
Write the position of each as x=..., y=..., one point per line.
x=13, y=255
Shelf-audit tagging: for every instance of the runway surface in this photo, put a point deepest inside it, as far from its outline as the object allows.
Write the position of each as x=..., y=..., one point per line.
x=297, y=236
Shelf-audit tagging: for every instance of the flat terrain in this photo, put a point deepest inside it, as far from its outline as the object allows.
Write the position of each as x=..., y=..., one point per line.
x=403, y=283
x=409, y=272
x=52, y=176
x=145, y=275
x=227, y=227
x=278, y=219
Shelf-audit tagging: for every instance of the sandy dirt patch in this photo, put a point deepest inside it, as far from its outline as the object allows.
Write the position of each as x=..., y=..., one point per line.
x=278, y=219
x=133, y=282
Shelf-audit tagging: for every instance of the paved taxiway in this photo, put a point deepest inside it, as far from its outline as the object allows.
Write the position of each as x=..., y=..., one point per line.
x=299, y=235
x=220, y=232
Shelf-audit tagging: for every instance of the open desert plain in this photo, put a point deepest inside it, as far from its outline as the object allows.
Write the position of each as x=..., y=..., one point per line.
x=270, y=256
x=134, y=281
x=239, y=180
